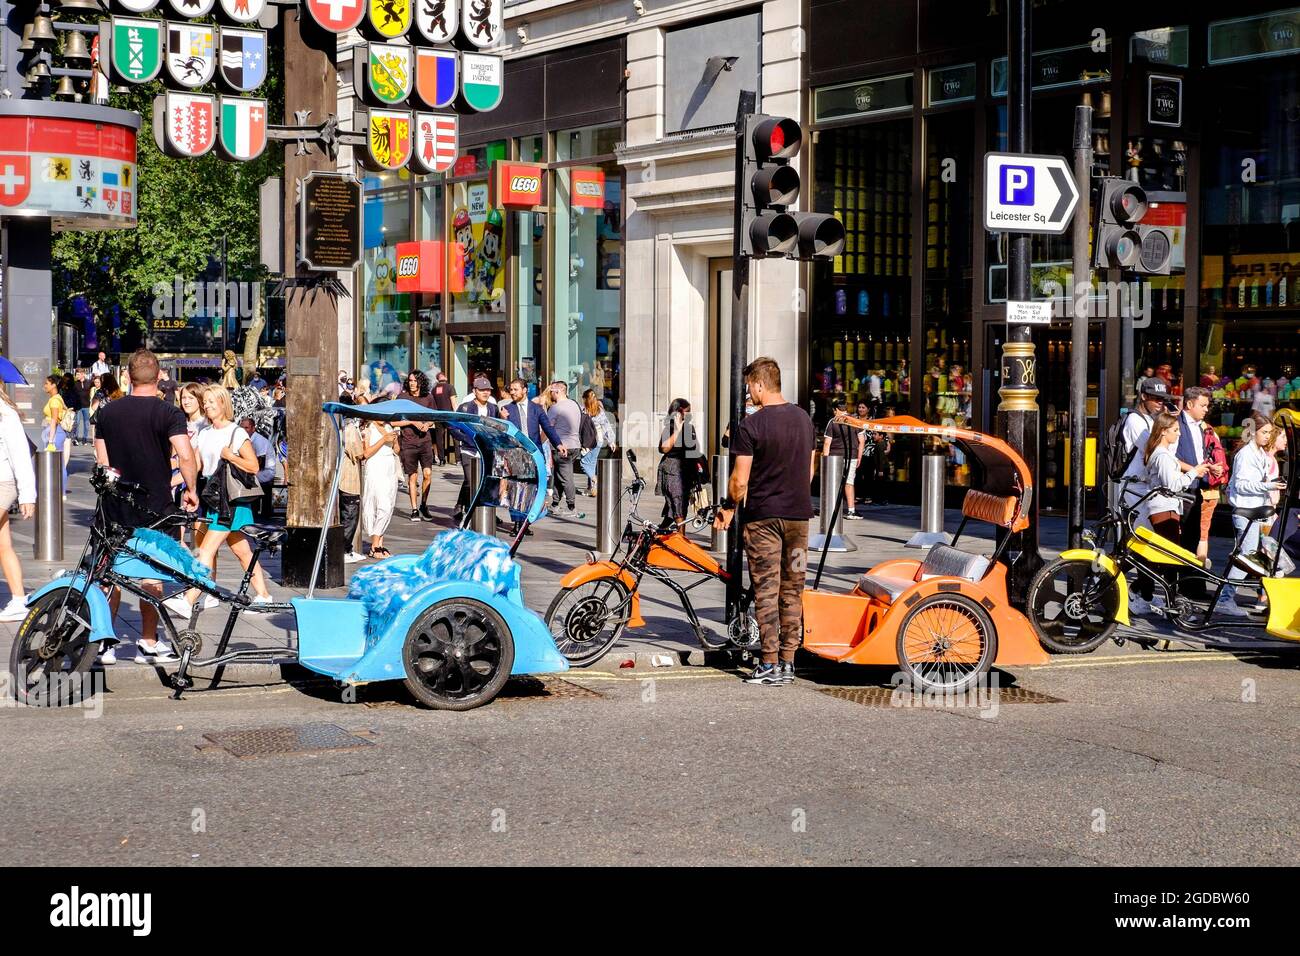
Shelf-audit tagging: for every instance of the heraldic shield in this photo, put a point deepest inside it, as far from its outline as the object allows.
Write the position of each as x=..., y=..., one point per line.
x=388, y=137
x=437, y=19
x=437, y=77
x=136, y=49
x=389, y=19
x=243, y=128
x=481, y=22
x=337, y=16
x=435, y=142
x=184, y=124
x=243, y=58
x=191, y=53
x=382, y=73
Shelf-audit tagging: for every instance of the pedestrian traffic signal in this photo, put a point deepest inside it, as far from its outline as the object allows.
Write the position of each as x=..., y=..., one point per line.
x=1119, y=239
x=769, y=186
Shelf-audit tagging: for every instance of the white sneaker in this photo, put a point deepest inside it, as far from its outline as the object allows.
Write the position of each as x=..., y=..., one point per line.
x=211, y=600
x=161, y=651
x=14, y=611
x=108, y=656
x=258, y=604
x=179, y=606
x=352, y=557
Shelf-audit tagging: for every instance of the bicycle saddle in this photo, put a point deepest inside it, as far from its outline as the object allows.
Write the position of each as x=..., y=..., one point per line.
x=267, y=534
x=1260, y=513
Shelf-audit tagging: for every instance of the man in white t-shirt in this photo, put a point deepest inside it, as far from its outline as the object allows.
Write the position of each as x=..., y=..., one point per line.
x=1153, y=400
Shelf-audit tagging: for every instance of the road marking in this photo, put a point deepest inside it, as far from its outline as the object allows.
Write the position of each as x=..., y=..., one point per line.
x=646, y=675
x=1201, y=657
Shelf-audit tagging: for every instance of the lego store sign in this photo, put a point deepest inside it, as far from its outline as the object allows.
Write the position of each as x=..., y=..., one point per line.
x=517, y=186
x=419, y=266
x=588, y=188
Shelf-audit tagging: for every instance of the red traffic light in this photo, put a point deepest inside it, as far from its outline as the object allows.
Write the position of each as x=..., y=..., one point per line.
x=776, y=137
x=1128, y=203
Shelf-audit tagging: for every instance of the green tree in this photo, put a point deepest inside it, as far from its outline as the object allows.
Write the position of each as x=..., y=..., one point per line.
x=183, y=209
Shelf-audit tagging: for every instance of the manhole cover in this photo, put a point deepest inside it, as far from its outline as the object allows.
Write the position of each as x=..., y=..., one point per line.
x=279, y=741
x=546, y=688
x=903, y=699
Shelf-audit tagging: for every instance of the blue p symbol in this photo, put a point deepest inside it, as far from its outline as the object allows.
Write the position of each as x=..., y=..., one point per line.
x=1017, y=186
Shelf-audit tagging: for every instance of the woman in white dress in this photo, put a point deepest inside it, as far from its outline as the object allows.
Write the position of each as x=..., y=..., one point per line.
x=379, y=487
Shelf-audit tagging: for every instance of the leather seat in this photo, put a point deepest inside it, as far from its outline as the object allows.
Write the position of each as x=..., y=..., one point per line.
x=1261, y=513
x=267, y=534
x=943, y=560
x=882, y=587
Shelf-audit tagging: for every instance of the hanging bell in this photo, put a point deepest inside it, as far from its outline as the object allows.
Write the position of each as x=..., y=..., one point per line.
x=65, y=87
x=42, y=29
x=27, y=43
x=82, y=6
x=74, y=47
x=38, y=72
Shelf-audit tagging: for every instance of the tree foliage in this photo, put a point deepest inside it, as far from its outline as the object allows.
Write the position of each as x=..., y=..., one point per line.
x=183, y=208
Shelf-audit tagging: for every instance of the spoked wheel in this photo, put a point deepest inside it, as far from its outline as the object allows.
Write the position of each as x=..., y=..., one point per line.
x=457, y=655
x=945, y=643
x=586, y=620
x=1073, y=603
x=52, y=651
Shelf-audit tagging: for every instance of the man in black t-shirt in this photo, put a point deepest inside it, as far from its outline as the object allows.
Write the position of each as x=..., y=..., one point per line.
x=137, y=435
x=443, y=397
x=774, y=452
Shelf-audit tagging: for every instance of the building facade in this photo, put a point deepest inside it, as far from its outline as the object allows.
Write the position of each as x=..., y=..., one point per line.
x=902, y=101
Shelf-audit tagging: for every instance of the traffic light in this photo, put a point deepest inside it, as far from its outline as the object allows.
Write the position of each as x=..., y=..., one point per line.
x=768, y=187
x=1120, y=241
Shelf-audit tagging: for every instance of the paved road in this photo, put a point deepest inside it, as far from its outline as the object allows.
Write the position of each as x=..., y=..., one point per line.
x=1151, y=759
x=1176, y=758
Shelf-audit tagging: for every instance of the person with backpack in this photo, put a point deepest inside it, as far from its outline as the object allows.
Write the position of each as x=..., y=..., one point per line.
x=1127, y=439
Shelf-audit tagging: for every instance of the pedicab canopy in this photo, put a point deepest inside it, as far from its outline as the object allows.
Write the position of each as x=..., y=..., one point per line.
x=517, y=473
x=1005, y=472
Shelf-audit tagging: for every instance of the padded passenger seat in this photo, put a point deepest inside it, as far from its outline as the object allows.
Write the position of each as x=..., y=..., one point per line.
x=942, y=561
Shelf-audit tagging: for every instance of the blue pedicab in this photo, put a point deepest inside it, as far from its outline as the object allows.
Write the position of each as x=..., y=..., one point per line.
x=451, y=622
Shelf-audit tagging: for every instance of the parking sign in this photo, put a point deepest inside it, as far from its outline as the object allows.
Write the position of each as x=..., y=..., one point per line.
x=1027, y=193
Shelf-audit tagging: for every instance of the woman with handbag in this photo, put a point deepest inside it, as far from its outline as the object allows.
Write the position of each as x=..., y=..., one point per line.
x=56, y=424
x=229, y=490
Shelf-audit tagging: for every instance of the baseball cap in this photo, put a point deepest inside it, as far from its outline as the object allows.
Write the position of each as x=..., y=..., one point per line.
x=1156, y=388
x=482, y=382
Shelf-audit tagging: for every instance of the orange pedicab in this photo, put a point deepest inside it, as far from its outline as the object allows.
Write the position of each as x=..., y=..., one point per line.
x=944, y=619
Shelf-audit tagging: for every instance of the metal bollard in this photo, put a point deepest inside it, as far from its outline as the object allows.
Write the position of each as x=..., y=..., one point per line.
x=721, y=475
x=483, y=519
x=609, y=504
x=49, y=506
x=832, y=481
x=932, y=482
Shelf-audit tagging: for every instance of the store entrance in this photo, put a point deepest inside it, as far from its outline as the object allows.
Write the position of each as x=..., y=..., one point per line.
x=1053, y=376
x=474, y=355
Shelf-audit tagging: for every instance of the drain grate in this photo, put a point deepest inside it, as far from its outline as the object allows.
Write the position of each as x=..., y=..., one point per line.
x=546, y=688
x=281, y=741
x=902, y=699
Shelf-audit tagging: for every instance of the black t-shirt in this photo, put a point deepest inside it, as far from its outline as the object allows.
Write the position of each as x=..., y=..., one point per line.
x=410, y=434
x=781, y=439
x=844, y=440
x=137, y=431
x=441, y=396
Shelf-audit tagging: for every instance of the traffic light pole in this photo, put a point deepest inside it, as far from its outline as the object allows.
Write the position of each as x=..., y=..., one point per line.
x=1018, y=411
x=745, y=106
x=1082, y=279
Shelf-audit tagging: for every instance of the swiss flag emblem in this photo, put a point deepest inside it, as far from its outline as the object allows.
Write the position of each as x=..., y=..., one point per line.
x=337, y=16
x=15, y=180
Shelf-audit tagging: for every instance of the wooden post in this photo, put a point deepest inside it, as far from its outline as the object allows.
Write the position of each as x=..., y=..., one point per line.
x=311, y=317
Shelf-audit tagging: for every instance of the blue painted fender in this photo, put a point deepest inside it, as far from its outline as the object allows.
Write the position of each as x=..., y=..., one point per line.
x=101, y=615
x=535, y=651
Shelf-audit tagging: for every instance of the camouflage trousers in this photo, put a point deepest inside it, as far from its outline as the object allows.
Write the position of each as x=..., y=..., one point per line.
x=777, y=550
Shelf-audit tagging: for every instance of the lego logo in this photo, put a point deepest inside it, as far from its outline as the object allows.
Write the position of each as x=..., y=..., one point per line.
x=408, y=266
x=525, y=184
x=587, y=187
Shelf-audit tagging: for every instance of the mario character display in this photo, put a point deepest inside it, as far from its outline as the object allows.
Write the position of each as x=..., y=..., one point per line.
x=463, y=230
x=489, y=256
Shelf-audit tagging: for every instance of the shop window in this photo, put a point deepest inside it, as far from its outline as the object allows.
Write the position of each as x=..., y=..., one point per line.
x=860, y=325
x=428, y=312
x=386, y=337
x=530, y=300
x=946, y=374
x=588, y=264
x=1249, y=334
x=476, y=241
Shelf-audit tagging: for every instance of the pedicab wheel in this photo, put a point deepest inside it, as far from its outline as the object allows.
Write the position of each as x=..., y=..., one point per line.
x=945, y=643
x=52, y=651
x=1072, y=604
x=586, y=620
x=457, y=655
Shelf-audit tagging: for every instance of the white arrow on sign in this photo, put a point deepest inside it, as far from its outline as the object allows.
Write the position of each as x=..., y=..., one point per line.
x=1028, y=193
